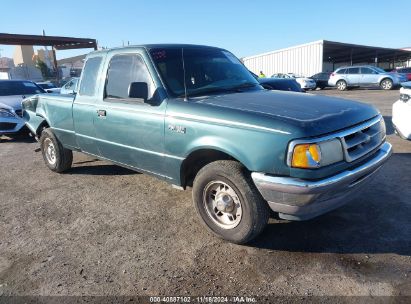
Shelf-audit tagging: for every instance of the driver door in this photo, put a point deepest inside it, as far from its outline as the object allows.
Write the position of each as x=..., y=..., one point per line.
x=130, y=131
x=368, y=76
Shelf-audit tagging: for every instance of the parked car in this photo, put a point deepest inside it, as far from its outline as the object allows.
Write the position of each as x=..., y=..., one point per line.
x=404, y=71
x=49, y=87
x=195, y=117
x=321, y=79
x=304, y=82
x=364, y=76
x=282, y=84
x=401, y=112
x=12, y=93
x=70, y=87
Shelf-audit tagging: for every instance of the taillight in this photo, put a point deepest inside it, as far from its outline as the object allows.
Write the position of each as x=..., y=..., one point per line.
x=332, y=74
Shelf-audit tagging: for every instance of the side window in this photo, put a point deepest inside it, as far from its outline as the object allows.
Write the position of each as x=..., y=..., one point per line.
x=353, y=71
x=90, y=75
x=342, y=71
x=367, y=71
x=123, y=70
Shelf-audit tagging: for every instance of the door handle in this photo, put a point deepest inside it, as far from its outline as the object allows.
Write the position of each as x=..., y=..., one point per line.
x=101, y=113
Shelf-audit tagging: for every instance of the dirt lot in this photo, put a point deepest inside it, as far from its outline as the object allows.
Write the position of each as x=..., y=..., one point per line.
x=103, y=230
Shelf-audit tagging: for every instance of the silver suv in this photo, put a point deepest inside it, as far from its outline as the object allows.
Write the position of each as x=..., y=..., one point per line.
x=364, y=76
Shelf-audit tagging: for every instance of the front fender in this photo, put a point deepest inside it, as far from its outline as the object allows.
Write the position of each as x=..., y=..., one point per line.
x=222, y=145
x=34, y=114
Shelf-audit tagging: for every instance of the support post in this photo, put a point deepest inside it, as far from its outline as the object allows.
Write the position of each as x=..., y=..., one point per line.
x=55, y=64
x=351, y=56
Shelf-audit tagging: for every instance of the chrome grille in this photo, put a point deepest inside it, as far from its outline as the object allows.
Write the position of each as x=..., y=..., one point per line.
x=363, y=139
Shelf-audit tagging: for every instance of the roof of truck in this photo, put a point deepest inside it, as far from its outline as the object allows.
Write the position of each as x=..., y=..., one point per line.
x=154, y=46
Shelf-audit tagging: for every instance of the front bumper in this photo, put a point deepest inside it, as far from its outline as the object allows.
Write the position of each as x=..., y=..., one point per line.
x=308, y=85
x=11, y=125
x=401, y=116
x=297, y=199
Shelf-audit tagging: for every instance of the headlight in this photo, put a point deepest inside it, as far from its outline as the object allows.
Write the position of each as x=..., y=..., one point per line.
x=314, y=155
x=6, y=113
x=404, y=97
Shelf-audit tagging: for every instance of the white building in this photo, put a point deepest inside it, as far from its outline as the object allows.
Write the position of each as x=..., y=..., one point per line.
x=324, y=56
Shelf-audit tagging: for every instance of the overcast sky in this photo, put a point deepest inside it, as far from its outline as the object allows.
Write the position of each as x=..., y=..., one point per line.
x=243, y=27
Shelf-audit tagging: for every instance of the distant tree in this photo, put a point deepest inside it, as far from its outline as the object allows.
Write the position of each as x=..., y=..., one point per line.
x=45, y=71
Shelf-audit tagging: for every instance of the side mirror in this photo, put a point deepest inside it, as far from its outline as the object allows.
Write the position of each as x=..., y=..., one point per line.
x=138, y=90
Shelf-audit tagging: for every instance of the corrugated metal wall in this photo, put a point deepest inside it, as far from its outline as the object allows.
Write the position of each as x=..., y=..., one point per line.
x=305, y=60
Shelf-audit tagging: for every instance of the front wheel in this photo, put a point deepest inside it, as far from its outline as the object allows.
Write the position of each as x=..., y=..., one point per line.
x=56, y=157
x=228, y=202
x=386, y=84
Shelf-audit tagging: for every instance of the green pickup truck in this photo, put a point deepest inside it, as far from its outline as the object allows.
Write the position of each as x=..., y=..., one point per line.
x=195, y=117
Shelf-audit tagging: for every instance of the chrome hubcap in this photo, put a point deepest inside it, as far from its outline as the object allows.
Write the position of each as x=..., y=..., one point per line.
x=386, y=85
x=222, y=204
x=50, y=151
x=341, y=85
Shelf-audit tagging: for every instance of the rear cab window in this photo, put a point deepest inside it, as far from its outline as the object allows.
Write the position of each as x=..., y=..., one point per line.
x=88, y=83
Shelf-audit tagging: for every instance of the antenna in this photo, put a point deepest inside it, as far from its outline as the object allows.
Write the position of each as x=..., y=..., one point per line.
x=184, y=76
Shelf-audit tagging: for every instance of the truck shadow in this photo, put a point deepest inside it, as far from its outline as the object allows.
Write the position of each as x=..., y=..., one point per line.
x=106, y=169
x=388, y=125
x=376, y=222
x=17, y=139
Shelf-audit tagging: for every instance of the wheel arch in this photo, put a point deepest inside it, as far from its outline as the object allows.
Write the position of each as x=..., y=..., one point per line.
x=386, y=77
x=199, y=158
x=43, y=125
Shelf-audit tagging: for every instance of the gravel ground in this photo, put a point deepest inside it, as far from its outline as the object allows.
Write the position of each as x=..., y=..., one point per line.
x=103, y=230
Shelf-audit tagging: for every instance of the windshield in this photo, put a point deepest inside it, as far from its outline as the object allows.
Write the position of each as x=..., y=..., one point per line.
x=379, y=70
x=9, y=88
x=207, y=70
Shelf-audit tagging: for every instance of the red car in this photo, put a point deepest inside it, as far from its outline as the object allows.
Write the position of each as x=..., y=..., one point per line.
x=405, y=71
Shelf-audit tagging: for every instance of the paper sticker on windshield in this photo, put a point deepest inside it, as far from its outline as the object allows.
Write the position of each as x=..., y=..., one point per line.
x=29, y=84
x=231, y=57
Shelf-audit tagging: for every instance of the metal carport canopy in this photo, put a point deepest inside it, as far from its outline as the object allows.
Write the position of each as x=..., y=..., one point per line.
x=57, y=42
x=339, y=52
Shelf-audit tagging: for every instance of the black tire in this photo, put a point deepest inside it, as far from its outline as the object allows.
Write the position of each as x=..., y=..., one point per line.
x=386, y=84
x=255, y=211
x=341, y=85
x=61, y=158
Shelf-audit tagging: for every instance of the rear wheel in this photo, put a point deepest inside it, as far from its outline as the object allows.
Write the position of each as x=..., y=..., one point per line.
x=228, y=202
x=341, y=85
x=56, y=157
x=386, y=84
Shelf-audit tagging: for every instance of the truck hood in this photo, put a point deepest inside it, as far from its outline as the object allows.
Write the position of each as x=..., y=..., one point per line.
x=315, y=114
x=13, y=101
